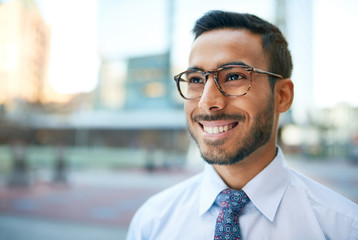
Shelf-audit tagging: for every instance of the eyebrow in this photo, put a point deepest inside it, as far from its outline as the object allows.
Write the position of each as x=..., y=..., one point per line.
x=219, y=66
x=234, y=63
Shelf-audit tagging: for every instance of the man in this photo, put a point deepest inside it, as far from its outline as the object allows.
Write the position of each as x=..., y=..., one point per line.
x=236, y=86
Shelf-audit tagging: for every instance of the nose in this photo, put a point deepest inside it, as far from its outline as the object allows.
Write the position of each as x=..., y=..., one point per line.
x=212, y=99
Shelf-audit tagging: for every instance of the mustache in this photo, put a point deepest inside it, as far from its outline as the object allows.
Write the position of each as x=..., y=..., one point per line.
x=218, y=117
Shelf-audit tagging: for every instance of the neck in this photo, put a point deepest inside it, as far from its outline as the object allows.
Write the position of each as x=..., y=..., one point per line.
x=238, y=175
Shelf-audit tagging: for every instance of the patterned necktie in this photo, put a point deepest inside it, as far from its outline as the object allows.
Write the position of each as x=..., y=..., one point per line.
x=227, y=224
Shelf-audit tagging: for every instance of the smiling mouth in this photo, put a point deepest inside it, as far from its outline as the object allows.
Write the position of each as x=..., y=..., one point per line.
x=218, y=129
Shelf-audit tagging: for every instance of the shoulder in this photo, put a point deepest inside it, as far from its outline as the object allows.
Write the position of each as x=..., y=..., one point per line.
x=322, y=195
x=329, y=207
x=176, y=194
x=161, y=206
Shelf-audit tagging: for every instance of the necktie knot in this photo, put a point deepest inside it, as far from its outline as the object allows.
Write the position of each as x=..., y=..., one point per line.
x=232, y=199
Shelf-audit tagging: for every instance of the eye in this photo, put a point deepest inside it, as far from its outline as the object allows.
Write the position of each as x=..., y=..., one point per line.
x=195, y=80
x=234, y=76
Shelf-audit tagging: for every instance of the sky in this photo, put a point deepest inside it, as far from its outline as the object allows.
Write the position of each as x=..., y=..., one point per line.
x=74, y=60
x=86, y=30
x=335, y=52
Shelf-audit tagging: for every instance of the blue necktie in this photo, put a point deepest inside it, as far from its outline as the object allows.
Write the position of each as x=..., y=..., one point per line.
x=227, y=224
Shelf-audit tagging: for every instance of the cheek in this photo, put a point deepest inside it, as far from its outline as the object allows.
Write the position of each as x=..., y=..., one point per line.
x=259, y=95
x=189, y=107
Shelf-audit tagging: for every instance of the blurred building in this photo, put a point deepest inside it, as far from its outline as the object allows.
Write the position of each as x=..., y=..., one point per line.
x=135, y=84
x=134, y=107
x=330, y=132
x=110, y=93
x=148, y=84
x=24, y=54
x=25, y=92
x=338, y=130
x=298, y=30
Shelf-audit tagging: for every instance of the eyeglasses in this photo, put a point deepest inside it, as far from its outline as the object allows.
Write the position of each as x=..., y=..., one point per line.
x=231, y=80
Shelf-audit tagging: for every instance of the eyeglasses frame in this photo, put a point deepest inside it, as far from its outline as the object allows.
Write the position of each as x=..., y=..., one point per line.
x=215, y=74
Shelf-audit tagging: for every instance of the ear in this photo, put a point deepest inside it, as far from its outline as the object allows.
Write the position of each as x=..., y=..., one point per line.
x=284, y=91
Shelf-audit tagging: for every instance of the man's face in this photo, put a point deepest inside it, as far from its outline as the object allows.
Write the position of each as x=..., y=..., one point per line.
x=226, y=129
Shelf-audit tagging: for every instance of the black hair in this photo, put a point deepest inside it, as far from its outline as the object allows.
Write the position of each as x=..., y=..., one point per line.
x=273, y=41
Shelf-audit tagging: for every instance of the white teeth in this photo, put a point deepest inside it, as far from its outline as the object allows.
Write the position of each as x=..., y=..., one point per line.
x=217, y=129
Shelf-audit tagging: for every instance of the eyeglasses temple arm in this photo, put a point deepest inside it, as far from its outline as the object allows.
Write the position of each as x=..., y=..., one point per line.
x=268, y=73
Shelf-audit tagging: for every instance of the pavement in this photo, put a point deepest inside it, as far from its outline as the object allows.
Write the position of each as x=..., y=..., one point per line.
x=100, y=204
x=91, y=205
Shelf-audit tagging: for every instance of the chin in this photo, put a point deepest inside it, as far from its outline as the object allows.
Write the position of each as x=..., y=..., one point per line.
x=220, y=157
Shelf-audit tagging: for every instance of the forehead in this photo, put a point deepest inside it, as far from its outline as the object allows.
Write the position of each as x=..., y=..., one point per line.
x=218, y=47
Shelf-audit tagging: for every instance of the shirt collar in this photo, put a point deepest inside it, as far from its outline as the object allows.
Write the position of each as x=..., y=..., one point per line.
x=211, y=186
x=265, y=190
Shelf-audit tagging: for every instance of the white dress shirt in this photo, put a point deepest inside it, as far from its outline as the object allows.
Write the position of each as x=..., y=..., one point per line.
x=284, y=205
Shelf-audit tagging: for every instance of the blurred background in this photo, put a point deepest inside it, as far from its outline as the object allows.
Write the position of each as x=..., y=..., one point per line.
x=91, y=124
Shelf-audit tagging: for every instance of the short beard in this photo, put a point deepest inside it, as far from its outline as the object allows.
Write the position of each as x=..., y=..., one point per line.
x=259, y=134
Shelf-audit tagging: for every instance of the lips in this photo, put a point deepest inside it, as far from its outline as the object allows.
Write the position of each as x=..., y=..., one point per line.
x=219, y=124
x=215, y=128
